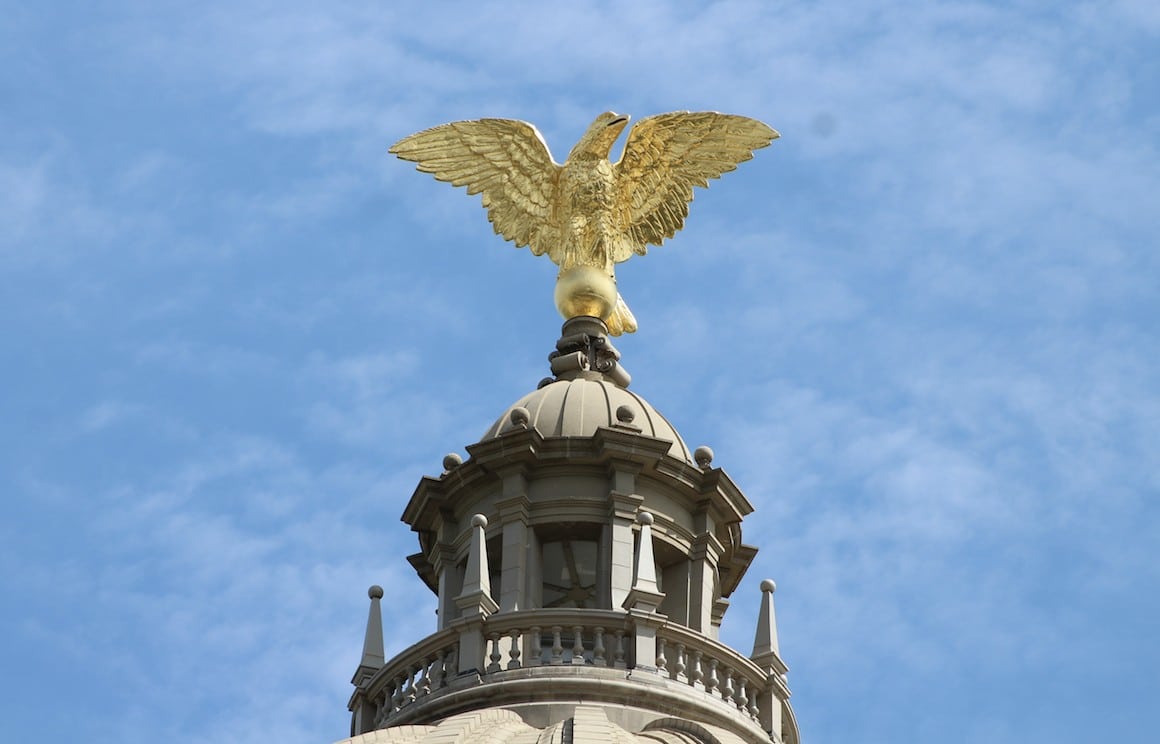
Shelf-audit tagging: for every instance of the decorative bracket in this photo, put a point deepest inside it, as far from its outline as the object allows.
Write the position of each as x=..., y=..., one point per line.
x=585, y=351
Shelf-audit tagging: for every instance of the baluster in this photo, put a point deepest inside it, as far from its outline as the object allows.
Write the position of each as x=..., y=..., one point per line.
x=695, y=673
x=618, y=654
x=727, y=686
x=537, y=648
x=557, y=646
x=679, y=666
x=397, y=698
x=382, y=709
x=438, y=670
x=711, y=679
x=424, y=681
x=452, y=665
x=577, y=644
x=416, y=670
x=742, y=700
x=514, y=652
x=598, y=648
x=754, y=711
x=495, y=653
x=662, y=662
x=409, y=693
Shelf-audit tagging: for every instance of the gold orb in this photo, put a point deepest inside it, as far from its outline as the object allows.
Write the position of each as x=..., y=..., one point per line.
x=585, y=291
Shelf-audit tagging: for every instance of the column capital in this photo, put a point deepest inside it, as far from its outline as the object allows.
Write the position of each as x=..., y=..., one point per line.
x=514, y=508
x=622, y=474
x=624, y=505
x=706, y=545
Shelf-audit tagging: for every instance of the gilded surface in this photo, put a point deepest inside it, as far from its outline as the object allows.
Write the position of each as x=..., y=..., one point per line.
x=588, y=213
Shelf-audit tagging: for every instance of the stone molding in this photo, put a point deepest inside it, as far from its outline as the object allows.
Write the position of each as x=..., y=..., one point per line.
x=584, y=654
x=615, y=457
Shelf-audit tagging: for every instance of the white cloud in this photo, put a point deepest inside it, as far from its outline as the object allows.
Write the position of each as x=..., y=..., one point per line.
x=240, y=560
x=105, y=414
x=918, y=334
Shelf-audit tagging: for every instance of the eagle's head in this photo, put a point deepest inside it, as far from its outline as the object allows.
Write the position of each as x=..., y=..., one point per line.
x=601, y=134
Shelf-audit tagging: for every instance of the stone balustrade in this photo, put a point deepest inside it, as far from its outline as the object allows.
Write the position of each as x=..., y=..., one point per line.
x=421, y=670
x=555, y=637
x=685, y=656
x=535, y=642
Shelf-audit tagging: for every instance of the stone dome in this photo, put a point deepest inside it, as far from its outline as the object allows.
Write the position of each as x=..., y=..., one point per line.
x=588, y=723
x=578, y=407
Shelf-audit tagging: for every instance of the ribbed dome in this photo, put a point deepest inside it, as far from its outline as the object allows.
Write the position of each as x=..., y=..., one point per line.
x=589, y=723
x=577, y=408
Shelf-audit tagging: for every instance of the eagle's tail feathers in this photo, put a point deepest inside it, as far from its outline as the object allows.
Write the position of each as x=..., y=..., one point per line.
x=622, y=320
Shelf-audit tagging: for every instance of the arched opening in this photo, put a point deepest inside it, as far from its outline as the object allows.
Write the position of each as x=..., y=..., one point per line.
x=570, y=573
x=570, y=567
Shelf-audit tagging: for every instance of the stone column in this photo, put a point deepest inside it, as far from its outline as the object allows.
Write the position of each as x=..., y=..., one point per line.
x=703, y=558
x=513, y=515
x=442, y=560
x=720, y=606
x=623, y=506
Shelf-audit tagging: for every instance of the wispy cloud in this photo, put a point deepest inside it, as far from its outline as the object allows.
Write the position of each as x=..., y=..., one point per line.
x=917, y=331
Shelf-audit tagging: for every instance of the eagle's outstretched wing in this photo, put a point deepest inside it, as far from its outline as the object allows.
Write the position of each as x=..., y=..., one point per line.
x=664, y=158
x=505, y=160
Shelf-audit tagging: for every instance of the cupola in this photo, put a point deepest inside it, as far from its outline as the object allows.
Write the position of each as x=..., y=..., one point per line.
x=583, y=558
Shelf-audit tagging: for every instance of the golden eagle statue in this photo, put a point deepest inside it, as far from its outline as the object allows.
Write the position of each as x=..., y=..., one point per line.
x=588, y=214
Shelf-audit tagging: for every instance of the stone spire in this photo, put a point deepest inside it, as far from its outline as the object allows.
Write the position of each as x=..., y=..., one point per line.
x=372, y=661
x=645, y=593
x=475, y=599
x=765, y=641
x=773, y=701
x=373, y=656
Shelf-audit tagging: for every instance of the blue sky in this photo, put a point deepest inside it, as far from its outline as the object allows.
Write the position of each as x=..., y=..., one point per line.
x=919, y=331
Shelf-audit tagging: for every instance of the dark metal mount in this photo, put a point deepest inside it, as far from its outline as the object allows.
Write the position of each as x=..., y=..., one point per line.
x=584, y=350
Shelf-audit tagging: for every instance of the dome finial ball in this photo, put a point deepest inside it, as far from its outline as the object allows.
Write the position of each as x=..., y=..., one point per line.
x=520, y=416
x=585, y=291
